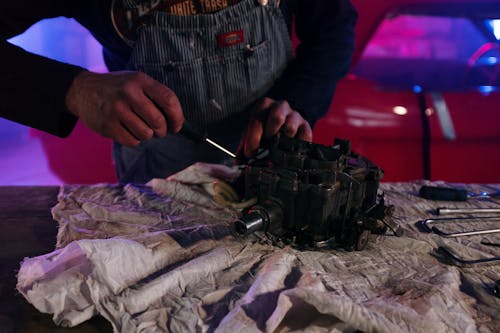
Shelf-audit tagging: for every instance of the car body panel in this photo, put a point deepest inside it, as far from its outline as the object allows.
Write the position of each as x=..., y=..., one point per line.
x=363, y=110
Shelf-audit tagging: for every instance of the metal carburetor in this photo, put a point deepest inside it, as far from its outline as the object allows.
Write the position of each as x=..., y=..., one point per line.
x=313, y=196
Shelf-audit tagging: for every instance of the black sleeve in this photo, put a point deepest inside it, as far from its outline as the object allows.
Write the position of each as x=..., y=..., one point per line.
x=33, y=88
x=325, y=29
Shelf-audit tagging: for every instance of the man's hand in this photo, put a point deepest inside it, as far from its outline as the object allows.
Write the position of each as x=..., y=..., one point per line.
x=128, y=107
x=271, y=117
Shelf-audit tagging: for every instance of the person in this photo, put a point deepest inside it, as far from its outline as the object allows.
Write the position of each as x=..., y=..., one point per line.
x=224, y=65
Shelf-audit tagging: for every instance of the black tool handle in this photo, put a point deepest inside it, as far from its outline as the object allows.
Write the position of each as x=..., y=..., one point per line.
x=193, y=133
x=442, y=193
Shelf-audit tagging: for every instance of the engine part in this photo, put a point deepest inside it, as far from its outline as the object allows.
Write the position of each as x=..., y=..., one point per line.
x=311, y=195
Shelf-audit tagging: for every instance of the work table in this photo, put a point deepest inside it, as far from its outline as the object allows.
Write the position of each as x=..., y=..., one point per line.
x=28, y=230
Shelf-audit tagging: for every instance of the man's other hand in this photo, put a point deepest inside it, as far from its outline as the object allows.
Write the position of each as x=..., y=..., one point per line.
x=128, y=107
x=269, y=118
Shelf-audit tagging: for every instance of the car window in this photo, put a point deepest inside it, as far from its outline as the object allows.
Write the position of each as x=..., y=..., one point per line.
x=436, y=53
x=494, y=26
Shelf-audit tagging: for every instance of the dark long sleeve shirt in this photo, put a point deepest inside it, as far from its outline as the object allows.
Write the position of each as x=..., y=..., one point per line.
x=33, y=88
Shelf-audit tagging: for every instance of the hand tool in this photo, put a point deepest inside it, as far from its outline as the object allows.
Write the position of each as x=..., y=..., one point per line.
x=451, y=211
x=427, y=225
x=197, y=135
x=450, y=258
x=452, y=194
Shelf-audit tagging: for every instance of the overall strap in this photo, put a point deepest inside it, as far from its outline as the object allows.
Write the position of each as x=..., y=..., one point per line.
x=269, y=2
x=152, y=3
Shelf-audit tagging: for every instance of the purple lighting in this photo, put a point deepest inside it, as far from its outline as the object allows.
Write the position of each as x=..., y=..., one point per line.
x=64, y=40
x=23, y=159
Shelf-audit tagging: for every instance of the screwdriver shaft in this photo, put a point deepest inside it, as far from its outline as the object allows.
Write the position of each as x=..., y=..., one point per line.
x=198, y=135
x=220, y=147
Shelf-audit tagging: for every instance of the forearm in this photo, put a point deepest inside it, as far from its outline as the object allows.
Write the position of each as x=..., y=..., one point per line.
x=33, y=90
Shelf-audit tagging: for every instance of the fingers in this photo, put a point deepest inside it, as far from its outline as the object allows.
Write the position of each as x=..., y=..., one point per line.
x=253, y=136
x=283, y=118
x=304, y=132
x=278, y=113
x=125, y=127
x=167, y=102
x=120, y=134
x=128, y=107
x=155, y=104
x=143, y=110
x=134, y=124
x=272, y=117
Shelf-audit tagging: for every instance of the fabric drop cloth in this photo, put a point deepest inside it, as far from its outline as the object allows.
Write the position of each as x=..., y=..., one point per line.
x=162, y=258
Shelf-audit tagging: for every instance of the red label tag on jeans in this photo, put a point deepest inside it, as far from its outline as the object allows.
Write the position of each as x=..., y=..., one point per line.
x=230, y=38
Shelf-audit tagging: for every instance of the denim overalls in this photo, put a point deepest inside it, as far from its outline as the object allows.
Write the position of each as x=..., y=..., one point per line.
x=218, y=65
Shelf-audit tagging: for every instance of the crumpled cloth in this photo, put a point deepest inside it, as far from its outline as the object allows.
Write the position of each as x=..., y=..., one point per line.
x=163, y=258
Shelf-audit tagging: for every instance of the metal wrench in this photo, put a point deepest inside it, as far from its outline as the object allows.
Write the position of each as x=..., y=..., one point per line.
x=427, y=225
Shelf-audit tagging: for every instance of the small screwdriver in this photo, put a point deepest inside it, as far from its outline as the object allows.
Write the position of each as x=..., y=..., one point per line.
x=452, y=194
x=197, y=135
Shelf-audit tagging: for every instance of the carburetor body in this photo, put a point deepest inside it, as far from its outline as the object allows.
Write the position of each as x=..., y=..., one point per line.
x=312, y=196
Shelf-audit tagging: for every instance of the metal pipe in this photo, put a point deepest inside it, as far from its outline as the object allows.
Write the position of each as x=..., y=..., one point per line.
x=427, y=225
x=450, y=211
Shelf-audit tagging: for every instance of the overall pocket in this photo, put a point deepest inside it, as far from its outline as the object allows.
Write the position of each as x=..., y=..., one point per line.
x=235, y=79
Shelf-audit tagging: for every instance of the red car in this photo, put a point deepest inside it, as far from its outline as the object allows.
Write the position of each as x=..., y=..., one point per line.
x=420, y=101
x=423, y=97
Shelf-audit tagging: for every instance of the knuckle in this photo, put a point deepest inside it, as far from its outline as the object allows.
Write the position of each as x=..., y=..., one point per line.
x=277, y=117
x=158, y=121
x=292, y=127
x=284, y=104
x=135, y=80
x=168, y=95
x=129, y=87
x=138, y=76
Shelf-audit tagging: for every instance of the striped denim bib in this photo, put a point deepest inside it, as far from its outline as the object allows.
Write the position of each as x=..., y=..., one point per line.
x=217, y=64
